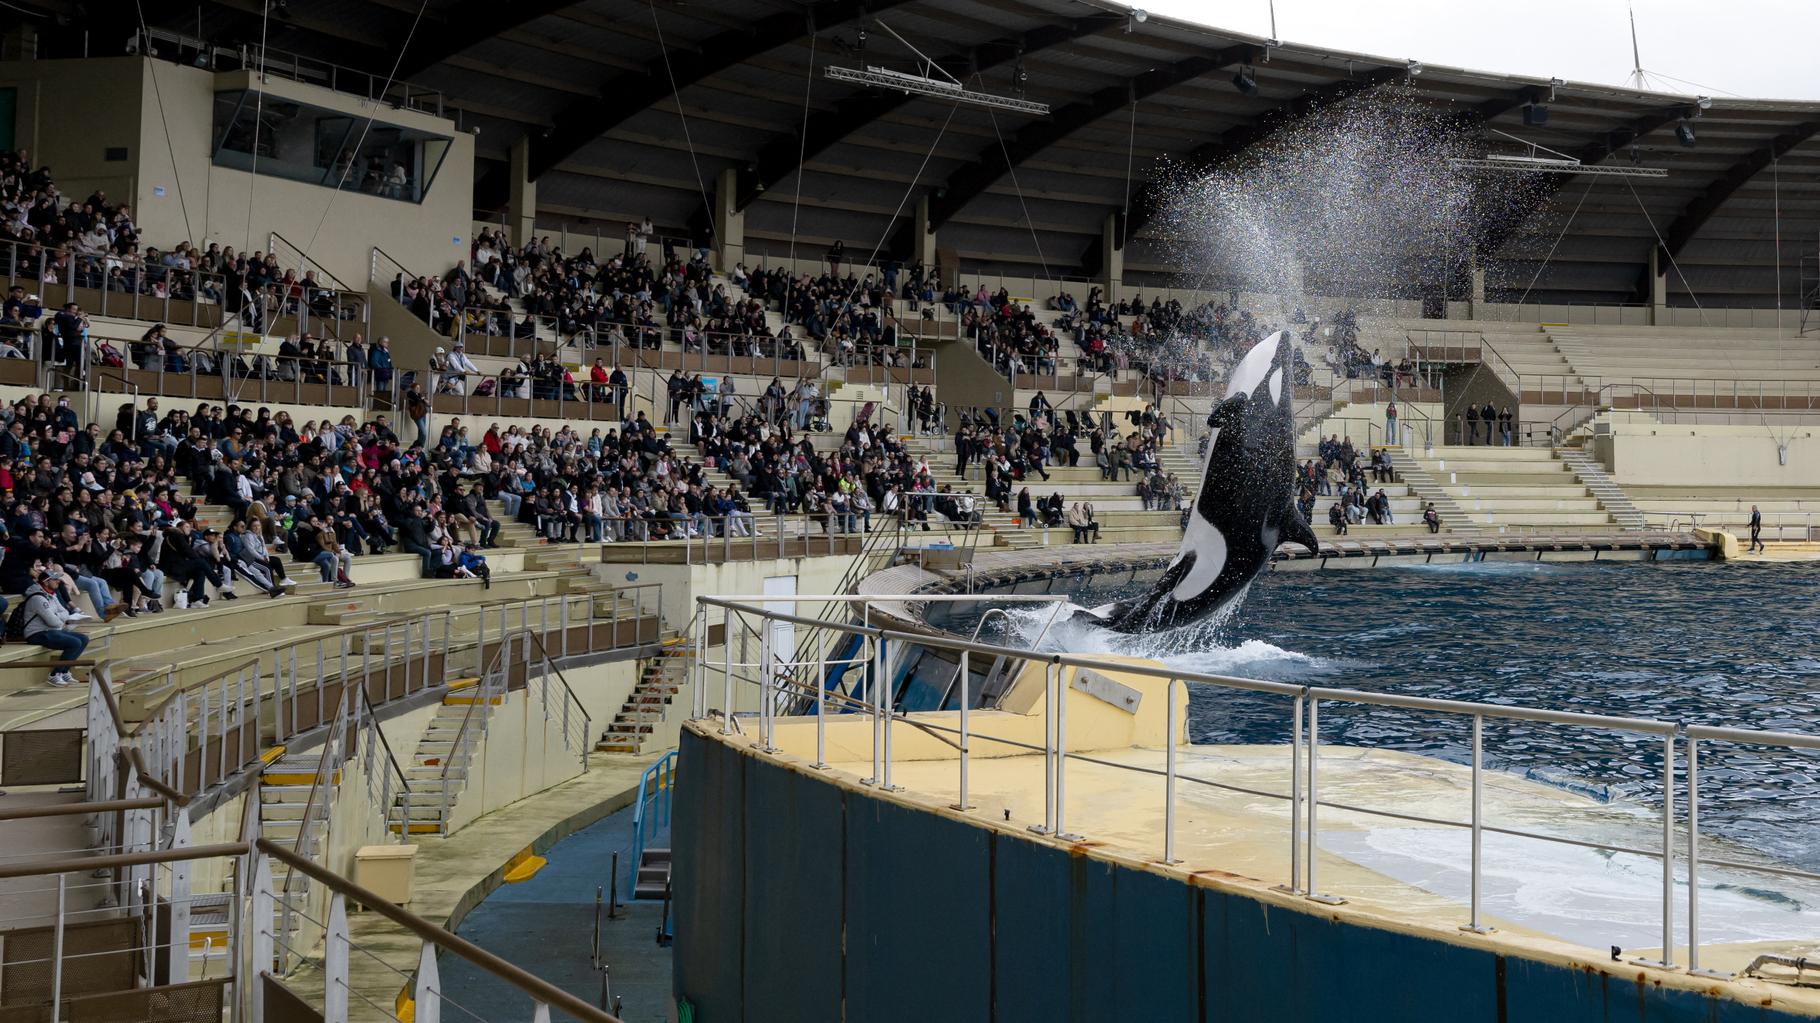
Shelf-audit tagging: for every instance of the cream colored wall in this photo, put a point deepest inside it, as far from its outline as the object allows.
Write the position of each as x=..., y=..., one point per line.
x=743, y=578
x=427, y=237
x=71, y=112
x=522, y=754
x=1658, y=454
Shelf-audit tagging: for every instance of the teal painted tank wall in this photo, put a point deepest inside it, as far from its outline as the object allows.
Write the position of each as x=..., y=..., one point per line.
x=798, y=902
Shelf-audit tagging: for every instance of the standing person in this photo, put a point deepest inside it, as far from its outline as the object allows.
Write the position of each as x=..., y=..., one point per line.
x=1390, y=422
x=1469, y=423
x=836, y=253
x=418, y=408
x=44, y=626
x=1490, y=414
x=1507, y=421
x=1756, y=530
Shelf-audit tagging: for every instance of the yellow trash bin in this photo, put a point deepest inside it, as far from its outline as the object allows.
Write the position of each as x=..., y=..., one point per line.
x=386, y=871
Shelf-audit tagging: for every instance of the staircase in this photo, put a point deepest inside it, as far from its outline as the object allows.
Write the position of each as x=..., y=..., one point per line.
x=1423, y=484
x=1602, y=487
x=296, y=799
x=438, y=770
x=660, y=679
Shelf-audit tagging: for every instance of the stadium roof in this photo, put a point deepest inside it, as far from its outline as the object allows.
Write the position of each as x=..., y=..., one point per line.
x=591, y=83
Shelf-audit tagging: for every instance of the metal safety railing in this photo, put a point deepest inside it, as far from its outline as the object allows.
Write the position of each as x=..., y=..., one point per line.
x=880, y=649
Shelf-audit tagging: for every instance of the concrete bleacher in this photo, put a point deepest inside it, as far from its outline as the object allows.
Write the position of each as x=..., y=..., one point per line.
x=1514, y=487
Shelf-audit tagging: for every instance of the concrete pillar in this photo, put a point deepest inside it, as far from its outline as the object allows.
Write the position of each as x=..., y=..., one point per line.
x=1476, y=302
x=1658, y=287
x=923, y=239
x=521, y=199
x=1112, y=258
x=729, y=221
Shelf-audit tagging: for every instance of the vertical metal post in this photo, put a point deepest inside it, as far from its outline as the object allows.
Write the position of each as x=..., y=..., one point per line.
x=57, y=948
x=697, y=698
x=335, y=973
x=1314, y=799
x=429, y=987
x=1061, y=758
x=884, y=690
x=878, y=671
x=726, y=676
x=1693, y=855
x=1048, y=825
x=1478, y=821
x=961, y=801
x=764, y=688
x=821, y=702
x=1668, y=851
x=1169, y=731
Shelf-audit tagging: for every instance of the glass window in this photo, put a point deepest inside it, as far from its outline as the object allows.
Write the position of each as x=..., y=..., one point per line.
x=325, y=147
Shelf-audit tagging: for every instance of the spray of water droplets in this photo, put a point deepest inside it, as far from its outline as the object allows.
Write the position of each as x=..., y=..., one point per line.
x=1357, y=201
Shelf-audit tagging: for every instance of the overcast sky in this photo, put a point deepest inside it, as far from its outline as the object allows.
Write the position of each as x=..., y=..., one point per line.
x=1758, y=48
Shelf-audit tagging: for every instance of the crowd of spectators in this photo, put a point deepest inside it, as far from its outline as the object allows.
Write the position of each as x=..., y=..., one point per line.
x=1339, y=471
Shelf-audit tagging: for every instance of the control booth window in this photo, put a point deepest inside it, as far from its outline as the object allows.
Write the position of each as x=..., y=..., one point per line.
x=283, y=138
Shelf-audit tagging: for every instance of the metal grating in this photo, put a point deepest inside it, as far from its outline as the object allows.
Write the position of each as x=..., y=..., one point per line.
x=103, y=948
x=199, y=1001
x=50, y=756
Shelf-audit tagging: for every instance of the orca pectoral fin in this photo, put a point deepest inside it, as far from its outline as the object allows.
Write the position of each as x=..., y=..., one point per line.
x=1297, y=530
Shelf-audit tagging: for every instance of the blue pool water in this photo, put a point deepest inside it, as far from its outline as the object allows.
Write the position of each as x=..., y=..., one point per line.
x=1694, y=642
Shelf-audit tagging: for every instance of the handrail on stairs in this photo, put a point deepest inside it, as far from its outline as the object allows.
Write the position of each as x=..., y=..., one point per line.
x=660, y=780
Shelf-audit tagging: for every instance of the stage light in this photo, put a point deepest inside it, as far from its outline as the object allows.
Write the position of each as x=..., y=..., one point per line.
x=1415, y=68
x=1685, y=132
x=1137, y=17
x=1245, y=81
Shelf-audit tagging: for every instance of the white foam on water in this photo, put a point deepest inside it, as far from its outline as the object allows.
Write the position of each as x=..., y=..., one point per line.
x=1193, y=647
x=1586, y=896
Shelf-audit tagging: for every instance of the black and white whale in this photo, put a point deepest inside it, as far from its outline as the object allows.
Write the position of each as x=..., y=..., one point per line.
x=1246, y=505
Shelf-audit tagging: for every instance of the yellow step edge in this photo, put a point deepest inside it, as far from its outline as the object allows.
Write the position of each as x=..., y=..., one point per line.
x=285, y=778
x=272, y=754
x=420, y=828
x=463, y=683
x=523, y=866
x=404, y=1006
x=464, y=701
x=209, y=938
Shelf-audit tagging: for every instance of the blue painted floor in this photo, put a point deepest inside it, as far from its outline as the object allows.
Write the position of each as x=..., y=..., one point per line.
x=546, y=926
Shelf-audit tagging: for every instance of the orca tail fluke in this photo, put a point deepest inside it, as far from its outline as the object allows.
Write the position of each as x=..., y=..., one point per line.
x=1297, y=530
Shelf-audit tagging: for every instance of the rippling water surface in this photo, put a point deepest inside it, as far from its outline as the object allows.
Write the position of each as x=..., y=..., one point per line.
x=1732, y=645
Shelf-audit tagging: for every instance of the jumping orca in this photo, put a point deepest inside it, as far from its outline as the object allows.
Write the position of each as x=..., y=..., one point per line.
x=1246, y=505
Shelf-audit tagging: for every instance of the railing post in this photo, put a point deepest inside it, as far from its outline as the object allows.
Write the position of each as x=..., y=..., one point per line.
x=1048, y=825
x=821, y=700
x=1478, y=821
x=1668, y=851
x=764, y=688
x=1314, y=800
x=726, y=677
x=335, y=974
x=1693, y=855
x=1169, y=731
x=885, y=692
x=1061, y=758
x=57, y=948
x=961, y=796
x=262, y=936
x=428, y=992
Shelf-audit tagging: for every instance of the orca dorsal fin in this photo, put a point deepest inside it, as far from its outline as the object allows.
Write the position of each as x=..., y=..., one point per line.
x=1297, y=530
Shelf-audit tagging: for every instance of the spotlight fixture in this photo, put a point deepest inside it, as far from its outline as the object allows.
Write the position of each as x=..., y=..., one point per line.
x=1415, y=68
x=860, y=41
x=1534, y=115
x=1703, y=102
x=1245, y=80
x=1137, y=17
x=1685, y=133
